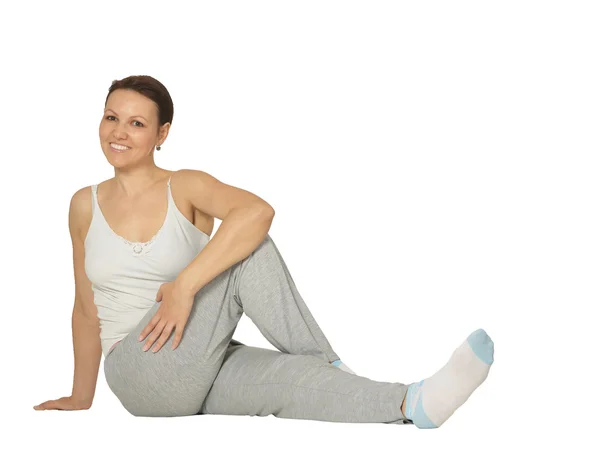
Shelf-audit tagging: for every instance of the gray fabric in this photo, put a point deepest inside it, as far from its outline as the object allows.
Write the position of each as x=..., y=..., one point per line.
x=211, y=373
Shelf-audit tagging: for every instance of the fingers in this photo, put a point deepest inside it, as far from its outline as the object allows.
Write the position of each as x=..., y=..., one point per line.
x=154, y=334
x=177, y=338
x=149, y=327
x=48, y=405
x=164, y=336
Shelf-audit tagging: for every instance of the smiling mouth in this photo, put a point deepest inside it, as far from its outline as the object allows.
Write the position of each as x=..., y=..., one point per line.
x=118, y=150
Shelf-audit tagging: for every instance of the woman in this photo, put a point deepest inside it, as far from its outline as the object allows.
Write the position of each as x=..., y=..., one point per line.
x=148, y=275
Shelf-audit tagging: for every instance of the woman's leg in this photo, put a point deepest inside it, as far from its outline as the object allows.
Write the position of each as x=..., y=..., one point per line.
x=298, y=381
x=257, y=381
x=265, y=290
x=176, y=383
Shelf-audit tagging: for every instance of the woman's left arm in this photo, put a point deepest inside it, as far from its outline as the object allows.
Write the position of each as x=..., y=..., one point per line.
x=246, y=220
x=239, y=234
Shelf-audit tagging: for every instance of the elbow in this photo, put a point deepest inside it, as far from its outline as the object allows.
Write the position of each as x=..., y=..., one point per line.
x=266, y=210
x=269, y=211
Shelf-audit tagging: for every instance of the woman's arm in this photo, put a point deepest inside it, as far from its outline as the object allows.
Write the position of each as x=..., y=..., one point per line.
x=85, y=324
x=87, y=351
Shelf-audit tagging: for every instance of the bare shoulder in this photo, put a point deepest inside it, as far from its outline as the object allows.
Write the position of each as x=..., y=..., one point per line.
x=188, y=175
x=190, y=181
x=210, y=196
x=80, y=213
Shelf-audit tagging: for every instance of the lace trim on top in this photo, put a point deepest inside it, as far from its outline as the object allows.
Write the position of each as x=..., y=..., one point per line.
x=138, y=247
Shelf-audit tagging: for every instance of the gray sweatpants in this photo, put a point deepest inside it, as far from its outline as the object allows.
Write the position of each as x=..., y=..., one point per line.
x=211, y=373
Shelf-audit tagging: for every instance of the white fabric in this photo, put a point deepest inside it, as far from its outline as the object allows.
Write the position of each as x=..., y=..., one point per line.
x=126, y=275
x=450, y=387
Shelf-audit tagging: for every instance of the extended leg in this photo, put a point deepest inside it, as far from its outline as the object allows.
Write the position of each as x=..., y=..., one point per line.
x=256, y=381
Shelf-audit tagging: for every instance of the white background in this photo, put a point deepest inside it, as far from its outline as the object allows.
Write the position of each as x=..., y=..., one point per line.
x=434, y=169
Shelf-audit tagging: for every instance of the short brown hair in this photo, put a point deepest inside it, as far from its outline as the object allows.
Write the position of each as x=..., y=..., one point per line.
x=150, y=88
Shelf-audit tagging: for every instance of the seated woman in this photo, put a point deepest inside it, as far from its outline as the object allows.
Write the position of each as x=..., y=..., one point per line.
x=147, y=274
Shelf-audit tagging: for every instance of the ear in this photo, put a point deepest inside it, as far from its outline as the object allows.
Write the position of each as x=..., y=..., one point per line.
x=164, y=132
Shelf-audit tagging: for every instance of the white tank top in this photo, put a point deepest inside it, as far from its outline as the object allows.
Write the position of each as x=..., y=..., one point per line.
x=126, y=276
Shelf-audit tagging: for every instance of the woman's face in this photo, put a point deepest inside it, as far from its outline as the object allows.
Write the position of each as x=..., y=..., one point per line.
x=130, y=119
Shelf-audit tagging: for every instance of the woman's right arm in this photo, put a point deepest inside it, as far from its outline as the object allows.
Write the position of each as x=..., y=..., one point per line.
x=85, y=324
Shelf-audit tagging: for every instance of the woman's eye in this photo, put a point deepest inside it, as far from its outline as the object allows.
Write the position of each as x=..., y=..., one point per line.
x=109, y=118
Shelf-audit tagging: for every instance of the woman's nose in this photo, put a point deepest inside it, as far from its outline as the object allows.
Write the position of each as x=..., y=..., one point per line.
x=119, y=130
x=119, y=133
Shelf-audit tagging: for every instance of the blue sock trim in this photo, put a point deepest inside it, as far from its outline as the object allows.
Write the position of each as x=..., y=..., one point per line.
x=415, y=412
x=482, y=346
x=413, y=388
x=408, y=401
x=420, y=418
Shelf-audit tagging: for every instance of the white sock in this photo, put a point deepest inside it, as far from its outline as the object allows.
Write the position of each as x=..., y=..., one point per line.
x=430, y=402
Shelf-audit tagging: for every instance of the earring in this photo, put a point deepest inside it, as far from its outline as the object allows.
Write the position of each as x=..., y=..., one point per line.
x=157, y=147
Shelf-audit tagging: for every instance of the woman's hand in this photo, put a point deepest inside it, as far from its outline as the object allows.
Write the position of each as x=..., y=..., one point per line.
x=64, y=403
x=172, y=313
